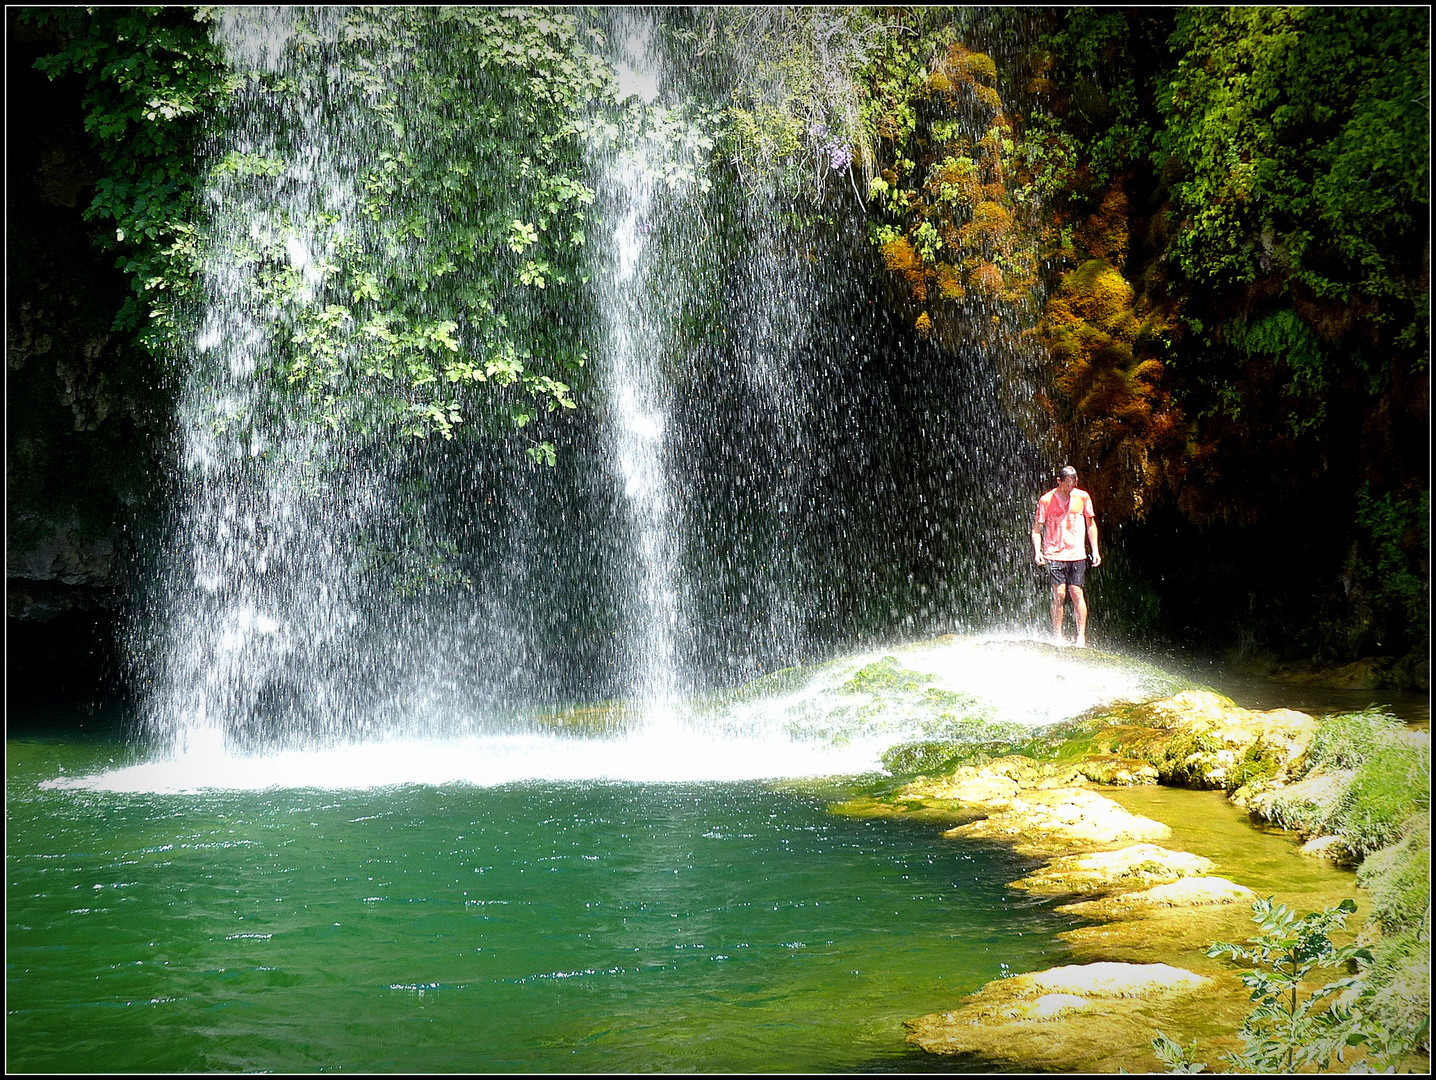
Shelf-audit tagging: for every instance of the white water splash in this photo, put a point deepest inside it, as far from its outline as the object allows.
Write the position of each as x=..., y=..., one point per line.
x=816, y=728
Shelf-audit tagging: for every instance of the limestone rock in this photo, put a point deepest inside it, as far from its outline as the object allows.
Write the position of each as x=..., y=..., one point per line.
x=1139, y=864
x=1203, y=739
x=1053, y=821
x=1329, y=847
x=1185, y=892
x=994, y=783
x=1124, y=772
x=1078, y=1018
x=966, y=785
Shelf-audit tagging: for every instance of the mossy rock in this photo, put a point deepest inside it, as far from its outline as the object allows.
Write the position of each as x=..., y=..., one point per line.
x=1108, y=871
x=1117, y=771
x=885, y=676
x=1201, y=739
x=924, y=758
x=1078, y=1018
x=774, y=684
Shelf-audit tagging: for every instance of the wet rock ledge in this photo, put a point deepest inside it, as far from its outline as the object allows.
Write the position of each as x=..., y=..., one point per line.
x=1059, y=800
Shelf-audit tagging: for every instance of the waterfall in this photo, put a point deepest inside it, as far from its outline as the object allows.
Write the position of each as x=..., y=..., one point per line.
x=263, y=616
x=637, y=398
x=766, y=469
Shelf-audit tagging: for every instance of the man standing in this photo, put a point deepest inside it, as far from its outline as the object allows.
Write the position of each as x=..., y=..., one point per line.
x=1064, y=519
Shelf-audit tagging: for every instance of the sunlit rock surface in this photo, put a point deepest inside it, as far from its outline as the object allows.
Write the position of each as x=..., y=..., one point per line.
x=1048, y=822
x=1202, y=739
x=994, y=784
x=1078, y=1018
x=1186, y=892
x=1139, y=864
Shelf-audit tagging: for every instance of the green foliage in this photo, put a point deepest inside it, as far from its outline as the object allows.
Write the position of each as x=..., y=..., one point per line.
x=1288, y=1029
x=1399, y=879
x=1345, y=740
x=455, y=283
x=1293, y=1026
x=1281, y=338
x=1102, y=127
x=1388, y=789
x=449, y=287
x=1366, y=777
x=1391, y=565
x=794, y=122
x=1176, y=1057
x=152, y=76
x=1392, y=1011
x=1303, y=136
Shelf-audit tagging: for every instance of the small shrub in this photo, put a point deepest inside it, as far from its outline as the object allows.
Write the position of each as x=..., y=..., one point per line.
x=1285, y=1031
x=1385, y=1007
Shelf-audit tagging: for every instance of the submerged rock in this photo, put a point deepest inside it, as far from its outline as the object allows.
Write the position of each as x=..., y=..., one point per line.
x=1048, y=822
x=1329, y=847
x=1077, y=1018
x=1139, y=864
x=1185, y=892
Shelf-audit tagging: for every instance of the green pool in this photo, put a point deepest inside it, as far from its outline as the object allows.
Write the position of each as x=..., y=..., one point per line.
x=522, y=927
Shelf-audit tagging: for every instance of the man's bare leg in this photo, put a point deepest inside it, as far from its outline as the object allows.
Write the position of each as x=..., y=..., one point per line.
x=1079, y=609
x=1059, y=600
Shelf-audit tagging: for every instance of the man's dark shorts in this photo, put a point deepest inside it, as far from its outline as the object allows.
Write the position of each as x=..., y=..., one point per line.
x=1063, y=572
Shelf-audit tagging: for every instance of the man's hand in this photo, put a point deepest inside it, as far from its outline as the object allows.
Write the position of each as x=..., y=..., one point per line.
x=1096, y=559
x=1040, y=560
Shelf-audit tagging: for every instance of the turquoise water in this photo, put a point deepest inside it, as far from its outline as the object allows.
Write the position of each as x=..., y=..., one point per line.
x=522, y=927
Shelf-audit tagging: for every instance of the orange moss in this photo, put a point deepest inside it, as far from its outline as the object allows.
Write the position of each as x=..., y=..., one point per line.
x=1105, y=234
x=899, y=255
x=1110, y=401
x=924, y=325
x=986, y=278
x=959, y=187
x=948, y=285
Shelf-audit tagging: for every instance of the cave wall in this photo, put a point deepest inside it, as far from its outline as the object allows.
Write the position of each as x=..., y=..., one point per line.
x=86, y=411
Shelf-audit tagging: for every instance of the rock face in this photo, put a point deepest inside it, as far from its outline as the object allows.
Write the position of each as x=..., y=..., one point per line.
x=1057, y=820
x=1078, y=1018
x=1139, y=864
